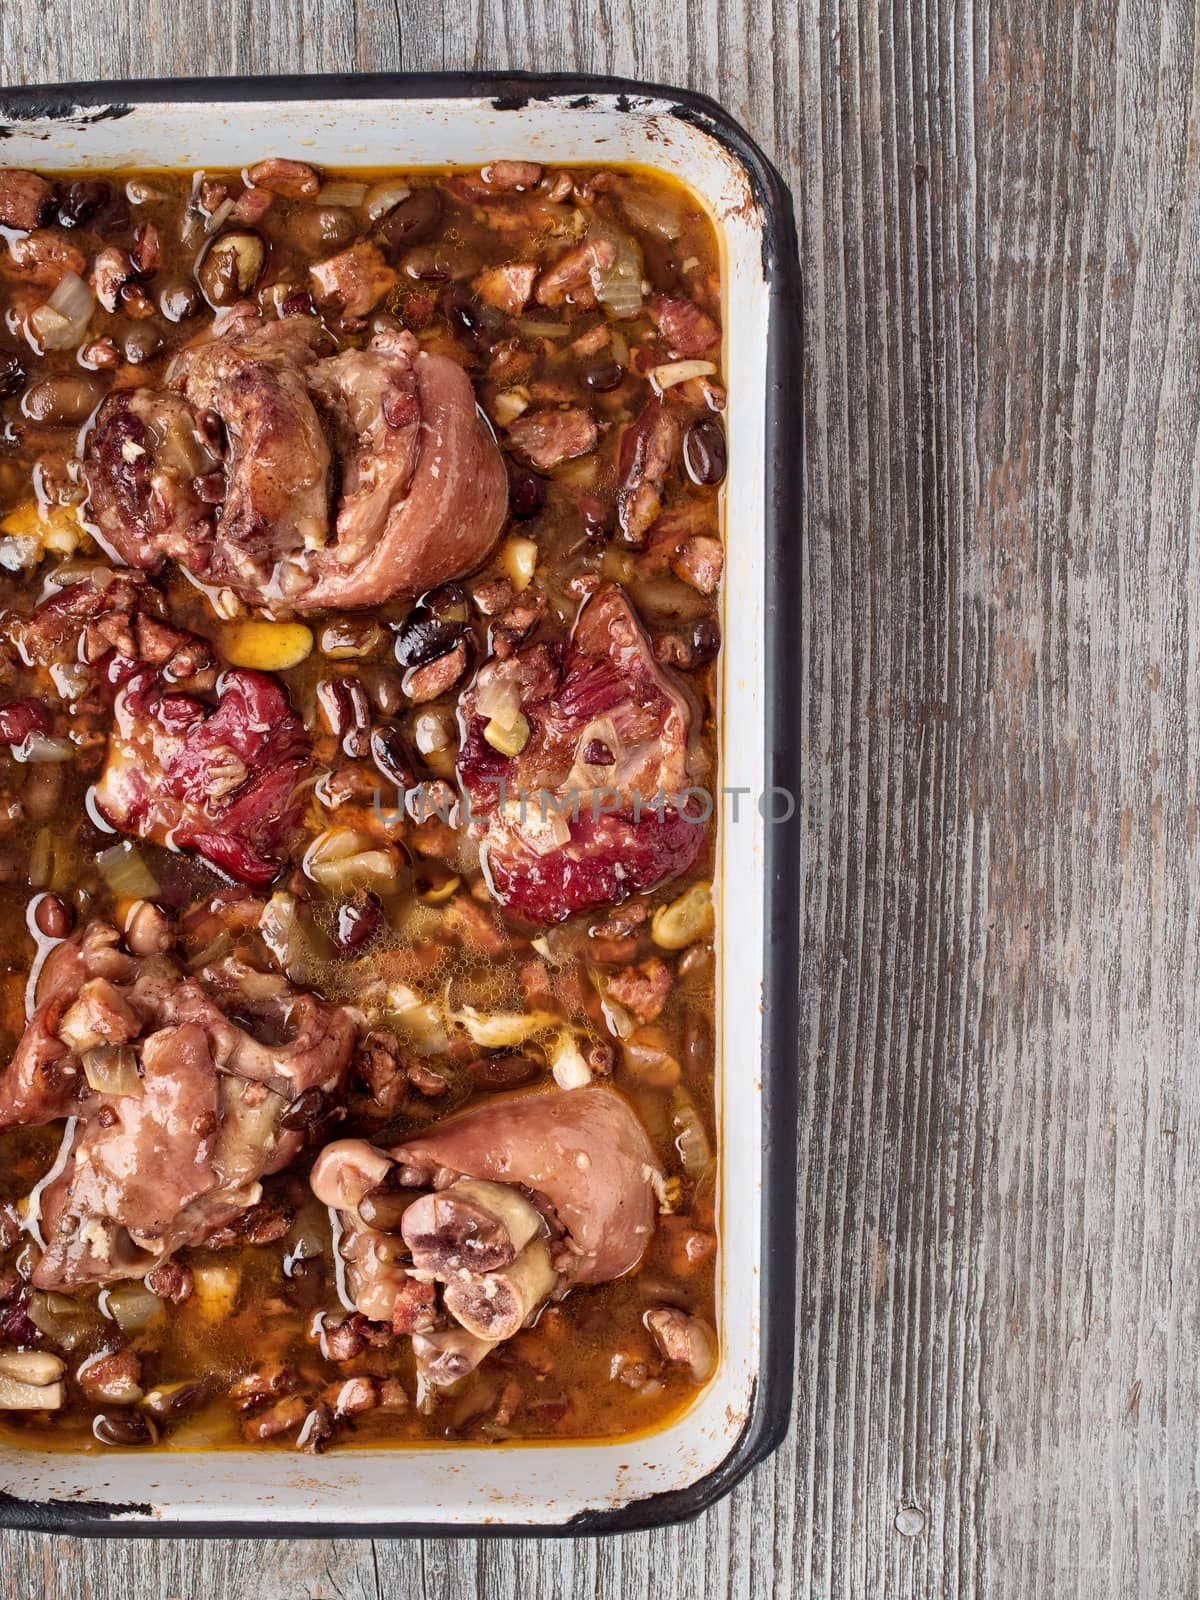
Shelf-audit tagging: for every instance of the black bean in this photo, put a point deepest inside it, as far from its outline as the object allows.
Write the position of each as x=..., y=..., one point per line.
x=448, y=601
x=384, y=1206
x=704, y=452
x=705, y=641
x=12, y=374
x=122, y=1428
x=82, y=201
x=358, y=923
x=413, y=221
x=528, y=494
x=391, y=755
x=305, y=1111
x=423, y=637
x=603, y=375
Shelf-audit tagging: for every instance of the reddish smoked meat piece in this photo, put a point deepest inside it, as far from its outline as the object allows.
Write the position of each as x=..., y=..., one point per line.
x=610, y=732
x=222, y=781
x=689, y=331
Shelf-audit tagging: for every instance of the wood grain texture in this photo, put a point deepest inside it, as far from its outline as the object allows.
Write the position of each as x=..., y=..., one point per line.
x=999, y=1231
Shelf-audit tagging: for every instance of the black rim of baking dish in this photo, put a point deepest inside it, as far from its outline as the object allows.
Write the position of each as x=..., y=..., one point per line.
x=770, y=1403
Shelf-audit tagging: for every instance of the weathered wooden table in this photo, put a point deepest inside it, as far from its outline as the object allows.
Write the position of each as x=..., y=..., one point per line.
x=998, y=1360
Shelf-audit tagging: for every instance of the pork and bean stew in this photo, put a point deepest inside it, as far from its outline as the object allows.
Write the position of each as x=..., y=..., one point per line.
x=360, y=550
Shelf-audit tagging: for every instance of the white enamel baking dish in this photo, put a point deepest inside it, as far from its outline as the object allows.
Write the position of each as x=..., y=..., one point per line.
x=740, y=1416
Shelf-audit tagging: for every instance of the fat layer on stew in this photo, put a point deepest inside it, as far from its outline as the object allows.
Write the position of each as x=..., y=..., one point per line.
x=360, y=557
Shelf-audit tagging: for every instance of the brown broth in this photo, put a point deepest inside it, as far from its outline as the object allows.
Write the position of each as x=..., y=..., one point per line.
x=587, y=1368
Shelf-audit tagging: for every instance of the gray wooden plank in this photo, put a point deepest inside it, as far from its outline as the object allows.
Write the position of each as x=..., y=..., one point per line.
x=1000, y=1101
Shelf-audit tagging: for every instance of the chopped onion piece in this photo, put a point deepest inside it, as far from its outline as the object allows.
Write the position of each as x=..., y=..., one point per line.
x=113, y=1069
x=534, y=328
x=20, y=553
x=691, y=1141
x=509, y=404
x=50, y=330
x=510, y=738
x=619, y=286
x=131, y=1306
x=60, y=1318
x=284, y=936
x=383, y=197
x=673, y=372
x=520, y=557
x=126, y=873
x=499, y=701
x=340, y=859
x=416, y=1018
x=567, y=1065
x=218, y=216
x=342, y=192
x=72, y=298
x=496, y=1030
x=39, y=747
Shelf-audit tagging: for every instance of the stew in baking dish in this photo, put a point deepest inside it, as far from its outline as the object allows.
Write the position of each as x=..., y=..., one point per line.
x=359, y=563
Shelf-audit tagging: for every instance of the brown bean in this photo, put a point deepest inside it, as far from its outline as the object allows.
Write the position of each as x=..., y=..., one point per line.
x=231, y=266
x=142, y=345
x=383, y=1207
x=413, y=221
x=123, y=1429
x=147, y=930
x=62, y=399
x=390, y=754
x=176, y=1398
x=179, y=301
x=351, y=638
x=507, y=1071
x=323, y=228
x=305, y=1111
x=386, y=688
x=603, y=376
x=54, y=919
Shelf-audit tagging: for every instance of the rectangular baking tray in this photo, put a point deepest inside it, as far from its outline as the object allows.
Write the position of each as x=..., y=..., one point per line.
x=677, y=1471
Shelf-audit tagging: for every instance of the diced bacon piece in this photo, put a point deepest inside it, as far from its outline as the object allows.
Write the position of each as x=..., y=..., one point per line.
x=294, y=180
x=507, y=288
x=548, y=438
x=512, y=174
x=642, y=989
x=413, y=1311
x=700, y=561
x=356, y=279
x=25, y=199
x=45, y=256
x=689, y=331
